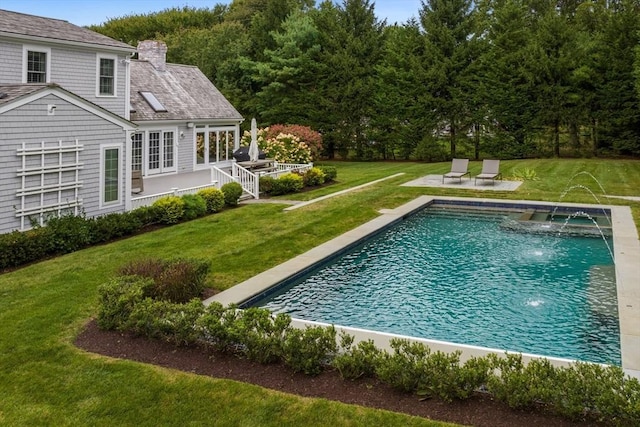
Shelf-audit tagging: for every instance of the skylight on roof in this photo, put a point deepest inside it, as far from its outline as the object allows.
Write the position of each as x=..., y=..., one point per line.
x=153, y=102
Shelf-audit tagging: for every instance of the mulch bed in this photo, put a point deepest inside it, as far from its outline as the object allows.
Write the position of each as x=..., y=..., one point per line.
x=478, y=411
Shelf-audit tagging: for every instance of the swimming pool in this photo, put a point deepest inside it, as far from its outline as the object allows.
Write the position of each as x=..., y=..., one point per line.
x=459, y=276
x=625, y=245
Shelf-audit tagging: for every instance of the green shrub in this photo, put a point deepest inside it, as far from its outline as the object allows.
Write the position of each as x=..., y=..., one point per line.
x=266, y=184
x=520, y=385
x=218, y=326
x=601, y=392
x=232, y=192
x=356, y=361
x=112, y=226
x=404, y=369
x=68, y=233
x=525, y=174
x=414, y=368
x=309, y=350
x=261, y=335
x=170, y=209
x=117, y=300
x=166, y=320
x=194, y=206
x=330, y=173
x=313, y=177
x=146, y=215
x=213, y=198
x=21, y=247
x=176, y=280
x=287, y=183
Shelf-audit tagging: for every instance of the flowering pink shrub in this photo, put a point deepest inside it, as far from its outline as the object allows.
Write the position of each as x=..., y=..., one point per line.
x=287, y=143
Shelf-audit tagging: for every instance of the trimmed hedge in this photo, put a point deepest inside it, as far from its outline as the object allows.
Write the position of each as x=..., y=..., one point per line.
x=583, y=391
x=69, y=233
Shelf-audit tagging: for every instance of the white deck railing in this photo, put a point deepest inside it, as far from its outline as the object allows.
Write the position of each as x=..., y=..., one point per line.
x=140, y=201
x=282, y=168
x=250, y=181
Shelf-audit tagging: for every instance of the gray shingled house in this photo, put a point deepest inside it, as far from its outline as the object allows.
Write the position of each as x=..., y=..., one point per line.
x=79, y=118
x=184, y=123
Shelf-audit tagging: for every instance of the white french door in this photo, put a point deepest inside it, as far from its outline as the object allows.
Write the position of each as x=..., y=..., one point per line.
x=159, y=153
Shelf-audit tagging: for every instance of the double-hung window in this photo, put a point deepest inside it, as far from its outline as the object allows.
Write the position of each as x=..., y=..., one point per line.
x=36, y=64
x=106, y=75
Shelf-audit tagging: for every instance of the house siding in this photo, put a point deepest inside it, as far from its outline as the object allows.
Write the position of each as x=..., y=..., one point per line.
x=32, y=125
x=73, y=69
x=186, y=150
x=10, y=67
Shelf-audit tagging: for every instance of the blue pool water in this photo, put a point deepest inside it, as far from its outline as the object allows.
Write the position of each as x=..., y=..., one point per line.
x=463, y=278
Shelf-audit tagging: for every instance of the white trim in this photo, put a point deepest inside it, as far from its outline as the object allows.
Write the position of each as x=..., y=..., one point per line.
x=127, y=170
x=114, y=58
x=103, y=149
x=26, y=48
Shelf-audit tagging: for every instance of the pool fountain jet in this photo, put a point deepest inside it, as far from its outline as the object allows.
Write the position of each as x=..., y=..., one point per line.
x=582, y=214
x=569, y=188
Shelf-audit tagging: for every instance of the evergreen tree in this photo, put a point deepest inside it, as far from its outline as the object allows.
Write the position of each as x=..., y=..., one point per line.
x=401, y=122
x=507, y=81
x=448, y=32
x=620, y=103
x=288, y=76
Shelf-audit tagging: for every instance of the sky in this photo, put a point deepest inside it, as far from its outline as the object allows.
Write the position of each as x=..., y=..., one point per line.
x=96, y=12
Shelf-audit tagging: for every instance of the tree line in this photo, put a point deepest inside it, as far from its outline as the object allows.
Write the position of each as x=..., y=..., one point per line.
x=484, y=78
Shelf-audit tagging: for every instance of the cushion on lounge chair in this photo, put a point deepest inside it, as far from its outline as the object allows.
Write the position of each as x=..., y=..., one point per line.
x=458, y=169
x=490, y=170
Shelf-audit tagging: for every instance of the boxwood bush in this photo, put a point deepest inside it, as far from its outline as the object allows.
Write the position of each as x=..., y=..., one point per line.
x=287, y=183
x=582, y=391
x=213, y=198
x=232, y=192
x=194, y=206
x=313, y=177
x=170, y=209
x=330, y=172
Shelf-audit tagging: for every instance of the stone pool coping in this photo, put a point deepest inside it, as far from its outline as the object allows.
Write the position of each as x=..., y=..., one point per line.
x=626, y=247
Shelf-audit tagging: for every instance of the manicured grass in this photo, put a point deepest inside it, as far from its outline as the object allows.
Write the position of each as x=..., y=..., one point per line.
x=47, y=381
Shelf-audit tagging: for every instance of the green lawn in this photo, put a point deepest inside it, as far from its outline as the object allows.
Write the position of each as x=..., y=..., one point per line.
x=47, y=381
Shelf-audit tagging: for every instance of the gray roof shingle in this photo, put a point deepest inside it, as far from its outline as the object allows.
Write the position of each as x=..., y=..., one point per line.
x=20, y=24
x=184, y=90
x=8, y=93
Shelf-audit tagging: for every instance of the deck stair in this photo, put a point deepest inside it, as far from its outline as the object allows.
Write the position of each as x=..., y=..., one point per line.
x=248, y=174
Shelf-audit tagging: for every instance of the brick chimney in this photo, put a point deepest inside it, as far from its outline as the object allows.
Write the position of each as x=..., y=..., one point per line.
x=153, y=51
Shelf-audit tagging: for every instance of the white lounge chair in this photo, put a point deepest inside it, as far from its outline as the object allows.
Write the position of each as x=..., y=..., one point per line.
x=458, y=169
x=490, y=170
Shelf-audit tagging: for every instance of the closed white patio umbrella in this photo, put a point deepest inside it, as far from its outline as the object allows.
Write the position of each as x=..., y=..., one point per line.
x=254, y=151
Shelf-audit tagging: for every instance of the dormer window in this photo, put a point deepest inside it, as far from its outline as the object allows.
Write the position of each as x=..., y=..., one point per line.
x=106, y=75
x=36, y=64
